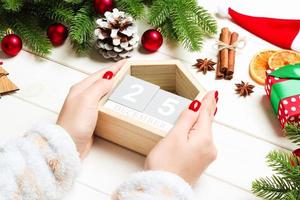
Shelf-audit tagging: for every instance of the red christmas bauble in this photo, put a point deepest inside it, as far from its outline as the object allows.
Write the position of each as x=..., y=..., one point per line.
x=57, y=33
x=152, y=40
x=101, y=6
x=11, y=44
x=296, y=153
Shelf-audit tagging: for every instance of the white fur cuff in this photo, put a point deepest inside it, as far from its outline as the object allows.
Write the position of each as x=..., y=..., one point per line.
x=155, y=185
x=61, y=142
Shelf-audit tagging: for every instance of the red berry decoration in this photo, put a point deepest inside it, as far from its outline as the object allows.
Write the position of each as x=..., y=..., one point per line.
x=296, y=153
x=101, y=6
x=152, y=40
x=11, y=44
x=57, y=33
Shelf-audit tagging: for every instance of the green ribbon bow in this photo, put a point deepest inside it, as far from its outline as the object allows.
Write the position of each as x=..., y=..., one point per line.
x=286, y=88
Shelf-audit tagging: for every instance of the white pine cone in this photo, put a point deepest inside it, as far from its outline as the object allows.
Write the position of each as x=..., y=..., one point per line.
x=116, y=35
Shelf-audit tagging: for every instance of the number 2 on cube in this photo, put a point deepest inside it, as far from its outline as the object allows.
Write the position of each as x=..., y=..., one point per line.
x=138, y=89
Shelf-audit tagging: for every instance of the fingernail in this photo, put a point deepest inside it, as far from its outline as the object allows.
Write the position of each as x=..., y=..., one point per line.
x=195, y=105
x=216, y=94
x=217, y=100
x=216, y=111
x=108, y=75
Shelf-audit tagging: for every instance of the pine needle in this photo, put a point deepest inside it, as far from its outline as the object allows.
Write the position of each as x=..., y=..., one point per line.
x=82, y=29
x=205, y=21
x=273, y=188
x=32, y=35
x=12, y=5
x=159, y=13
x=292, y=131
x=186, y=29
x=134, y=7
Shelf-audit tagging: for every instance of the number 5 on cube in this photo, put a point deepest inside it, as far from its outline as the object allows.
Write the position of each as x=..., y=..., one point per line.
x=167, y=106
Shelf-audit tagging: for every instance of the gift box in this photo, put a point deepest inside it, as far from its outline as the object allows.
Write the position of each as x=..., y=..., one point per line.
x=283, y=89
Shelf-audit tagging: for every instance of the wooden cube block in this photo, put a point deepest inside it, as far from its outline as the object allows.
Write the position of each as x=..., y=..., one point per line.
x=131, y=133
x=134, y=93
x=167, y=106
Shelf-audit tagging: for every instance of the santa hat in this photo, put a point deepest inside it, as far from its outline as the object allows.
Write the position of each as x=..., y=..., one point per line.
x=284, y=33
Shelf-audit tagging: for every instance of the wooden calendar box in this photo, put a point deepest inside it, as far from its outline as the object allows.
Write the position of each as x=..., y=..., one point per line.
x=133, y=133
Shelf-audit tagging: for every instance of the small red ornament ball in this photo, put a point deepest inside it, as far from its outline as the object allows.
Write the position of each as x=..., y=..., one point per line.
x=11, y=44
x=57, y=33
x=152, y=40
x=296, y=153
x=101, y=6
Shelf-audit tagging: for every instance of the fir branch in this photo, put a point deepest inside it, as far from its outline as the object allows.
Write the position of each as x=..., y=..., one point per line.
x=59, y=12
x=273, y=188
x=74, y=1
x=292, y=195
x=2, y=34
x=82, y=28
x=32, y=35
x=292, y=131
x=12, y=5
x=205, y=21
x=168, y=31
x=281, y=164
x=185, y=27
x=3, y=25
x=134, y=7
x=81, y=49
x=159, y=12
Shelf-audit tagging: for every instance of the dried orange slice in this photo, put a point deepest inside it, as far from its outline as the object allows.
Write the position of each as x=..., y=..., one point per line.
x=282, y=58
x=259, y=65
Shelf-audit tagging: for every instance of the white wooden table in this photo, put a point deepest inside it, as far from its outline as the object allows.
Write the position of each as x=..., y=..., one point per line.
x=245, y=130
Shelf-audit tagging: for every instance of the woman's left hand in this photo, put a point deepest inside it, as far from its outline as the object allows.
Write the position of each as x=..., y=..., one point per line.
x=79, y=113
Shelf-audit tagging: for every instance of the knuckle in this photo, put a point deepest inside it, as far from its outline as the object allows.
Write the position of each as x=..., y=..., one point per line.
x=73, y=88
x=206, y=140
x=213, y=154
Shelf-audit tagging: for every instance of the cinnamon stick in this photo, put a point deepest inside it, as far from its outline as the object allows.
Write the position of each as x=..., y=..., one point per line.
x=219, y=74
x=231, y=54
x=225, y=38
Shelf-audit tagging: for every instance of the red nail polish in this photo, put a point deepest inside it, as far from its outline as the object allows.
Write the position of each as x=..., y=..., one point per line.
x=217, y=100
x=195, y=105
x=108, y=75
x=216, y=94
x=216, y=111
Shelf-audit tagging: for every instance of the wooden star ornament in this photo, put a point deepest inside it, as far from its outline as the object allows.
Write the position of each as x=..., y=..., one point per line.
x=204, y=65
x=6, y=85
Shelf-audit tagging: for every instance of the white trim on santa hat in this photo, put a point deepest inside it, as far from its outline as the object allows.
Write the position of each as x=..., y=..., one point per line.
x=223, y=10
x=296, y=43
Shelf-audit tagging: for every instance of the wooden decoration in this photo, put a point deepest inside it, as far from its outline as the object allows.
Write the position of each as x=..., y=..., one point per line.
x=3, y=72
x=140, y=137
x=6, y=85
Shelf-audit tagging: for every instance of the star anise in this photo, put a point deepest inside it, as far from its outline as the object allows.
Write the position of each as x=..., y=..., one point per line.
x=205, y=65
x=244, y=89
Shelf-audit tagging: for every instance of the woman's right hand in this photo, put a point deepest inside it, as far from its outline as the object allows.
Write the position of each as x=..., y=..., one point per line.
x=188, y=149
